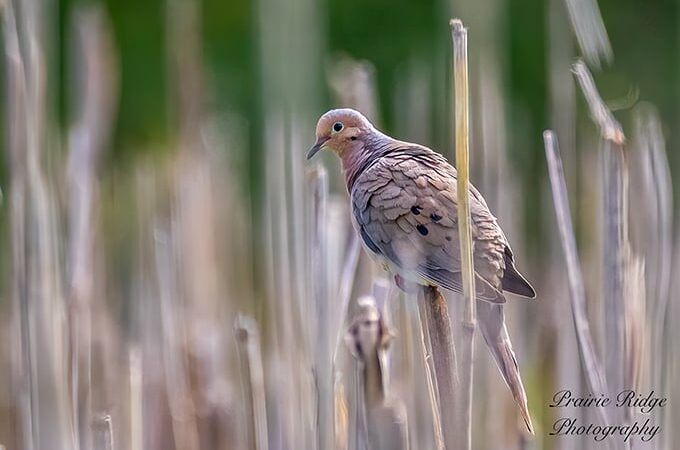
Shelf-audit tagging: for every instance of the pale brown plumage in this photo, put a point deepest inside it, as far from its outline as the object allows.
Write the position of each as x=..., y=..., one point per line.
x=404, y=207
x=404, y=204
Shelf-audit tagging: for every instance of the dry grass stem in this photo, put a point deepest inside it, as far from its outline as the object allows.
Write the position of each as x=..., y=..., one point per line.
x=619, y=261
x=614, y=184
x=437, y=323
x=40, y=380
x=610, y=128
x=368, y=339
x=135, y=402
x=462, y=107
x=89, y=136
x=346, y=284
x=102, y=433
x=657, y=204
x=590, y=31
x=634, y=325
x=322, y=301
x=592, y=366
x=252, y=382
x=431, y=378
x=182, y=409
x=652, y=223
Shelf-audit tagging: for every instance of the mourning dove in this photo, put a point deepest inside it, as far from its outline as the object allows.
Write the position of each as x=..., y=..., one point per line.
x=404, y=207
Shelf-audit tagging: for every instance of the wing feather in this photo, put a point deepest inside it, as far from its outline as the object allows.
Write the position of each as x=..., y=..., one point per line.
x=405, y=207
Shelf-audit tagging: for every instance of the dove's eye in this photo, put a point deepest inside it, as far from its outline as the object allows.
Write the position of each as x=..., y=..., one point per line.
x=338, y=126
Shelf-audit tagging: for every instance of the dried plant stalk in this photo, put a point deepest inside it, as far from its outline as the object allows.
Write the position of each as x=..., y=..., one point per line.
x=431, y=378
x=657, y=204
x=178, y=393
x=40, y=383
x=617, y=254
x=341, y=416
x=654, y=217
x=102, y=433
x=592, y=365
x=95, y=101
x=614, y=179
x=437, y=323
x=610, y=128
x=368, y=339
x=252, y=382
x=347, y=277
x=321, y=295
x=634, y=326
x=136, y=412
x=462, y=107
x=590, y=31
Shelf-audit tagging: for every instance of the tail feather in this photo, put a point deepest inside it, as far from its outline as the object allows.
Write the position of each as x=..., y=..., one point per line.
x=514, y=282
x=491, y=320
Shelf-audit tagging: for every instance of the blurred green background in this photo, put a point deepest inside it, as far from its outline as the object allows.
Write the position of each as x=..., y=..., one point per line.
x=644, y=36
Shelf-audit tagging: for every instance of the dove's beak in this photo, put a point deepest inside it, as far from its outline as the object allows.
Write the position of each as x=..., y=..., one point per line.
x=316, y=147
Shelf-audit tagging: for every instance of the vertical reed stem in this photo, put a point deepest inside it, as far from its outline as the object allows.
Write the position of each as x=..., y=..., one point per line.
x=40, y=385
x=615, y=231
x=460, y=77
x=323, y=363
x=102, y=433
x=431, y=384
x=613, y=174
x=435, y=312
x=591, y=363
x=252, y=377
x=94, y=101
x=385, y=417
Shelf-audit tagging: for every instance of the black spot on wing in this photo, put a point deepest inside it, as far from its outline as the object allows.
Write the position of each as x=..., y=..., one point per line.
x=415, y=209
x=422, y=229
x=435, y=217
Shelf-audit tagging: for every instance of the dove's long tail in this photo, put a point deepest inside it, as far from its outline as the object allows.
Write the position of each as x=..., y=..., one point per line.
x=491, y=320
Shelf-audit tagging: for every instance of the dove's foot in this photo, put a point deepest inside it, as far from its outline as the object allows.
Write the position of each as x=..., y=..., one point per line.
x=407, y=286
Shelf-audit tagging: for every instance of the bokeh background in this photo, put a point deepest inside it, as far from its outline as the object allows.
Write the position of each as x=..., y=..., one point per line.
x=176, y=275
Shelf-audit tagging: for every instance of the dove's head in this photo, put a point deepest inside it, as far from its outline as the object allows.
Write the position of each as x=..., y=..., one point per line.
x=342, y=131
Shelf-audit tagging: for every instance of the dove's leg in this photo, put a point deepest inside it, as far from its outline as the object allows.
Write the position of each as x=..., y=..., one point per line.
x=407, y=286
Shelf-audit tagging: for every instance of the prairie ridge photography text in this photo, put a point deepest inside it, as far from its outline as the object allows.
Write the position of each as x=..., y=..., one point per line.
x=643, y=403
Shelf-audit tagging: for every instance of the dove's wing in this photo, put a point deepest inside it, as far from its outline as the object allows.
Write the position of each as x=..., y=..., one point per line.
x=404, y=206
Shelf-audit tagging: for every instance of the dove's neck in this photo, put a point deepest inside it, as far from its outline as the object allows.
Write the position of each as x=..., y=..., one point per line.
x=359, y=157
